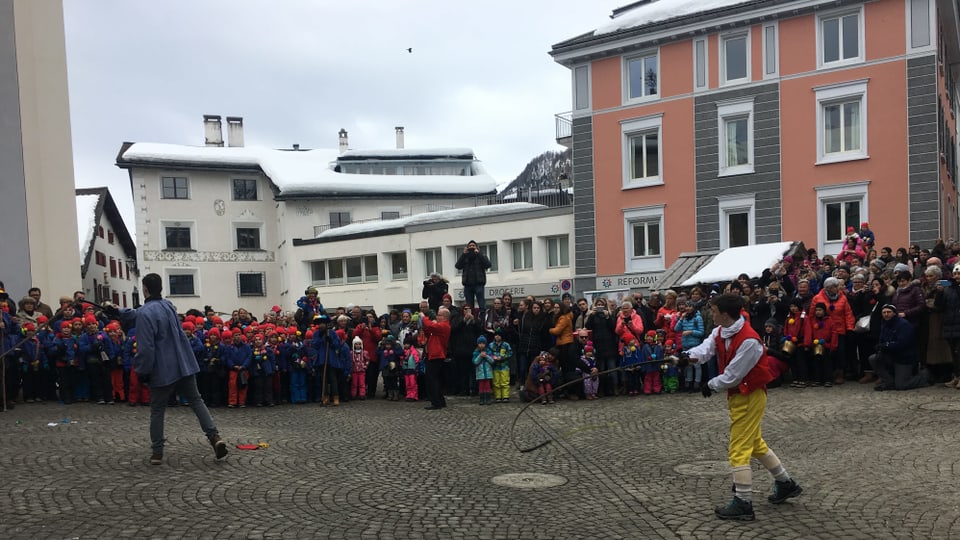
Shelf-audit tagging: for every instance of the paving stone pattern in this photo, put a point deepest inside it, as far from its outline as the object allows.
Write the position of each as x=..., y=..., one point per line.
x=872, y=465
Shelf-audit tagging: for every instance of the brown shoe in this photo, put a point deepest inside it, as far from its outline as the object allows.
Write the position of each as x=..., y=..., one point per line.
x=325, y=401
x=868, y=377
x=952, y=383
x=156, y=459
x=336, y=401
x=219, y=447
x=839, y=379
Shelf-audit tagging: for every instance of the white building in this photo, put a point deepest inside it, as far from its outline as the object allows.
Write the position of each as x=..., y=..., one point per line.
x=237, y=226
x=107, y=251
x=383, y=264
x=36, y=154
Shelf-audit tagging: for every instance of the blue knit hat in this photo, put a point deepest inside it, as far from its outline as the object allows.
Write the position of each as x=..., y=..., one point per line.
x=481, y=339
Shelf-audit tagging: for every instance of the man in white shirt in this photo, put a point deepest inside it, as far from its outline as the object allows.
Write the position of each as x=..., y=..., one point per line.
x=744, y=375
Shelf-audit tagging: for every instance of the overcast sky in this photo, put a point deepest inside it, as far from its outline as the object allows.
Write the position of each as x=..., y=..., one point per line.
x=297, y=71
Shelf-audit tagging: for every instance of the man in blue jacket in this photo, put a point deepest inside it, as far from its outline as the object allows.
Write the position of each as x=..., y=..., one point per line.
x=896, y=352
x=165, y=361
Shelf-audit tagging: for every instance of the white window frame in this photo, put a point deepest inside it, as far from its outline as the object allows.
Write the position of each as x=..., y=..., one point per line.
x=637, y=126
x=437, y=254
x=626, y=76
x=721, y=45
x=631, y=216
x=525, y=265
x=575, y=92
x=325, y=279
x=842, y=93
x=706, y=64
x=775, y=28
x=558, y=240
x=234, y=225
x=401, y=276
x=737, y=204
x=931, y=26
x=838, y=193
x=734, y=110
x=178, y=223
x=195, y=272
x=840, y=13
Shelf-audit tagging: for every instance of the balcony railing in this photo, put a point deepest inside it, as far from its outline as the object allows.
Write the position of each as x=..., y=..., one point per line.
x=564, y=125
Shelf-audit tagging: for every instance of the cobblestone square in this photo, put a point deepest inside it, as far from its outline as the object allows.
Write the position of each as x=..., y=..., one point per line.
x=872, y=465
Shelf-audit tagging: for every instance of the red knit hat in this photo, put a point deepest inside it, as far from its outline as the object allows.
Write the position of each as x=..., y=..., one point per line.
x=189, y=326
x=226, y=334
x=89, y=319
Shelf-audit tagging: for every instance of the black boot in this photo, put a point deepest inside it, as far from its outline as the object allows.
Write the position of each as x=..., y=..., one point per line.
x=784, y=490
x=736, y=509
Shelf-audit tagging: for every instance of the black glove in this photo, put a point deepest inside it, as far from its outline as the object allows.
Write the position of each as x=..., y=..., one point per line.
x=705, y=388
x=111, y=311
x=683, y=360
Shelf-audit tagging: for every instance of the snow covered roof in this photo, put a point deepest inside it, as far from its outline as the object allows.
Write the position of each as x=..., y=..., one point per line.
x=86, y=220
x=306, y=173
x=662, y=10
x=409, y=153
x=457, y=214
x=730, y=263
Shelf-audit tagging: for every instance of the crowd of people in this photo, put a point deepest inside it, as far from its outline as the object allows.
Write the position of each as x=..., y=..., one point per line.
x=862, y=315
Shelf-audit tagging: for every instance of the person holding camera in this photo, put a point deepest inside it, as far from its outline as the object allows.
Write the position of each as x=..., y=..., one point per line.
x=474, y=266
x=434, y=288
x=602, y=326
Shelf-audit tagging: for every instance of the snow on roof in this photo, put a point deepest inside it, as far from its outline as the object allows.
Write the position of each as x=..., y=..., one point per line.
x=310, y=172
x=431, y=153
x=662, y=10
x=730, y=263
x=431, y=217
x=86, y=220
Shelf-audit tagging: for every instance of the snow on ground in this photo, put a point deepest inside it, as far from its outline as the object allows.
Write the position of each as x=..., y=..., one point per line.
x=730, y=263
x=310, y=172
x=86, y=220
x=662, y=10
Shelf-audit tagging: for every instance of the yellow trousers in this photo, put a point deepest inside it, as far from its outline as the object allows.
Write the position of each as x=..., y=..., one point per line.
x=746, y=413
x=501, y=384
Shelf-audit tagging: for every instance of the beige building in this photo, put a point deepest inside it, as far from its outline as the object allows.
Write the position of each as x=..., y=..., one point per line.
x=37, y=208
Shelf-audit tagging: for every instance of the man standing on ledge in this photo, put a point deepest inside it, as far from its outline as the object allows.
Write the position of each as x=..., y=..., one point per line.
x=474, y=266
x=166, y=363
x=744, y=376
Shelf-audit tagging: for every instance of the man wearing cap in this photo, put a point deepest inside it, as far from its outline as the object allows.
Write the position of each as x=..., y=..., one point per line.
x=896, y=353
x=474, y=266
x=744, y=377
x=165, y=361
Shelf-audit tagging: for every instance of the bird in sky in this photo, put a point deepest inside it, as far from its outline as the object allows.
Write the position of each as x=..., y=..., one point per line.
x=409, y=49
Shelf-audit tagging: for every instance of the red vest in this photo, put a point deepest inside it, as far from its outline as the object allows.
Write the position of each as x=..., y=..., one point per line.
x=758, y=377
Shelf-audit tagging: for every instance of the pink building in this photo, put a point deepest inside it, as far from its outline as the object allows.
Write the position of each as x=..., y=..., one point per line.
x=699, y=125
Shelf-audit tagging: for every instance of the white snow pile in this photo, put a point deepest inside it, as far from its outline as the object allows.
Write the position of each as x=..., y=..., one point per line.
x=730, y=263
x=662, y=10
x=310, y=172
x=86, y=220
x=432, y=217
x=435, y=153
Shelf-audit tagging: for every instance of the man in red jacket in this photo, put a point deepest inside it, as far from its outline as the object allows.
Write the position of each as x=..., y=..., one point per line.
x=744, y=377
x=438, y=335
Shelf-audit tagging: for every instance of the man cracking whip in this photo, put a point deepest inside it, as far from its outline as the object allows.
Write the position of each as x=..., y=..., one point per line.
x=744, y=375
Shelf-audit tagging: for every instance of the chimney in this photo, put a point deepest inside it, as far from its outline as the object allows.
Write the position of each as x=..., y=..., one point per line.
x=296, y=146
x=235, y=131
x=344, y=144
x=212, y=131
x=399, y=137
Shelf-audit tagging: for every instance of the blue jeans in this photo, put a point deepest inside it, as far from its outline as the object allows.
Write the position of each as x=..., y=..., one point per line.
x=474, y=292
x=159, y=395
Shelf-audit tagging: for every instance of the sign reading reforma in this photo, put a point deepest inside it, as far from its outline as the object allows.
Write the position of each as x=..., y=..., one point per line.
x=646, y=280
x=539, y=290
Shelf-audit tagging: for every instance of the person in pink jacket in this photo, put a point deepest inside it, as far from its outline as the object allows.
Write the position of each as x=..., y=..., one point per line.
x=629, y=324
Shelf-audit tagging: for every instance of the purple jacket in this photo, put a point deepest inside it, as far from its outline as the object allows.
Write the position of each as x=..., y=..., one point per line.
x=909, y=301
